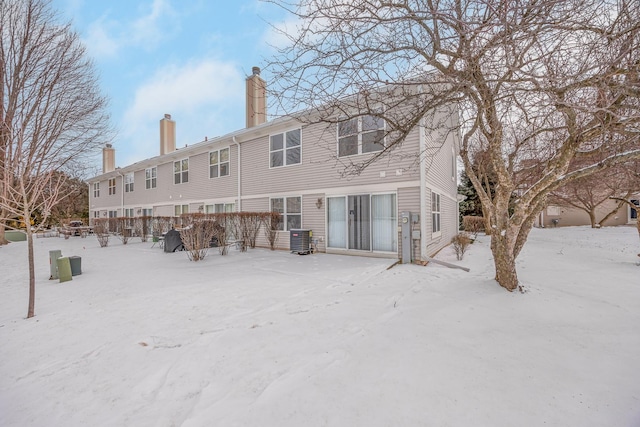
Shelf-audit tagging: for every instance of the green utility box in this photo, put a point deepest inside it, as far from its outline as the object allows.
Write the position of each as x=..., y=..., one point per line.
x=53, y=263
x=64, y=269
x=15, y=235
x=76, y=265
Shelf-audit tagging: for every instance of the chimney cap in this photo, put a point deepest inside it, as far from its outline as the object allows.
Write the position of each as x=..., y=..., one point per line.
x=255, y=71
x=108, y=145
x=167, y=116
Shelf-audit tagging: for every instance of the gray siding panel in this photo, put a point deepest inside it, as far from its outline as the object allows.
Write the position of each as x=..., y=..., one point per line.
x=409, y=201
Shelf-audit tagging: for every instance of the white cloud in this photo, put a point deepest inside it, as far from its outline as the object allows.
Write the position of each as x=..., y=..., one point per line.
x=154, y=27
x=202, y=97
x=100, y=41
x=107, y=35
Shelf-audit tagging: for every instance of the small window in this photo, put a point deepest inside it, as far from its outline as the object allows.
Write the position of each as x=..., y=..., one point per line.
x=219, y=163
x=150, y=177
x=147, y=212
x=284, y=149
x=291, y=210
x=360, y=135
x=181, y=209
x=128, y=182
x=113, y=214
x=181, y=171
x=220, y=208
x=128, y=212
x=435, y=213
x=112, y=186
x=96, y=189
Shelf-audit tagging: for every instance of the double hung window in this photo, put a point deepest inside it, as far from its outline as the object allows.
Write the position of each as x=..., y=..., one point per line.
x=284, y=149
x=150, y=177
x=128, y=182
x=291, y=210
x=219, y=163
x=181, y=171
x=435, y=213
x=360, y=135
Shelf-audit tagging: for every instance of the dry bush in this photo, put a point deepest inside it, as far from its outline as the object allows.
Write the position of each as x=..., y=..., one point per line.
x=142, y=227
x=473, y=224
x=238, y=225
x=271, y=221
x=197, y=235
x=461, y=242
x=252, y=223
x=101, y=231
x=223, y=227
x=123, y=228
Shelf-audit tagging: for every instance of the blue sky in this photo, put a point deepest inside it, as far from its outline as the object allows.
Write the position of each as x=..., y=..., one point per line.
x=187, y=58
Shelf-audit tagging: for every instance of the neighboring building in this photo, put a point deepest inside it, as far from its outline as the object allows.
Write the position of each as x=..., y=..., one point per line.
x=562, y=216
x=291, y=168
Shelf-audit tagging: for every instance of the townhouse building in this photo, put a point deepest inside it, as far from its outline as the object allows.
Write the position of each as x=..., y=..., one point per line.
x=405, y=200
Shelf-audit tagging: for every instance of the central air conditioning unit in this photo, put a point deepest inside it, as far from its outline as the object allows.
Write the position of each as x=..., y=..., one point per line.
x=300, y=241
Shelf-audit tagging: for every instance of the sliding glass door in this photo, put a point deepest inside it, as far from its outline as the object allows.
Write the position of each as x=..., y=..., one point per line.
x=363, y=222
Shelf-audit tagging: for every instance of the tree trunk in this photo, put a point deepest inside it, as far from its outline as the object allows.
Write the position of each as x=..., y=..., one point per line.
x=592, y=218
x=3, y=239
x=32, y=273
x=505, y=262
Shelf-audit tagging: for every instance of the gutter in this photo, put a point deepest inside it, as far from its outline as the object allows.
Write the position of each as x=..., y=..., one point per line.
x=239, y=204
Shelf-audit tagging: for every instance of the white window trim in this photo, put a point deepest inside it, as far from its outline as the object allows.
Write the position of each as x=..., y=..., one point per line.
x=128, y=182
x=371, y=194
x=182, y=209
x=96, y=190
x=436, y=234
x=285, y=213
x=148, y=182
x=112, y=188
x=181, y=171
x=284, y=149
x=359, y=134
x=220, y=163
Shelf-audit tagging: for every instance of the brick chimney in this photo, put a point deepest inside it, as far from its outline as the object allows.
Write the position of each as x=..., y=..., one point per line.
x=167, y=135
x=108, y=158
x=256, y=99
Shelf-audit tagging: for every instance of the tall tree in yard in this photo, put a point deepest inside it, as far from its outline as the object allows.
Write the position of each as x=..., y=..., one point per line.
x=52, y=114
x=535, y=82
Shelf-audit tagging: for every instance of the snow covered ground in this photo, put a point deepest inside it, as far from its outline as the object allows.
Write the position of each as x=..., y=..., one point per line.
x=145, y=338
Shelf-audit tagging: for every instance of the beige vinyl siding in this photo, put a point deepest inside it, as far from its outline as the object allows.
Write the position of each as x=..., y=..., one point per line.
x=439, y=179
x=163, y=210
x=106, y=201
x=313, y=218
x=408, y=200
x=569, y=216
x=319, y=167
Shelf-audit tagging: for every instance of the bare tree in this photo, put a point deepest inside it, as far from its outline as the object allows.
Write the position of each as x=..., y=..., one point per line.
x=533, y=81
x=590, y=193
x=52, y=113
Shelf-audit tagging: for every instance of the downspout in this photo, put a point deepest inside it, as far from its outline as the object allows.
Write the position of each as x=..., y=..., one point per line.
x=122, y=191
x=423, y=189
x=239, y=205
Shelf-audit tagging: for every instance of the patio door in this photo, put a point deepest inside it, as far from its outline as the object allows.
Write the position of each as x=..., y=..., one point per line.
x=360, y=222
